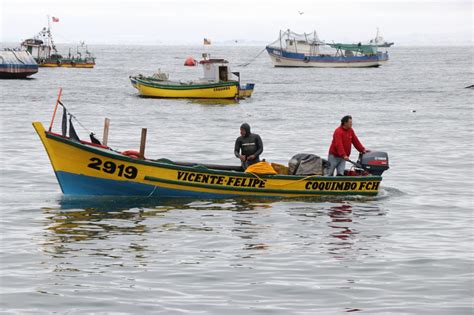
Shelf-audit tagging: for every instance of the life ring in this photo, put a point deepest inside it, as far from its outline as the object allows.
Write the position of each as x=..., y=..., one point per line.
x=132, y=153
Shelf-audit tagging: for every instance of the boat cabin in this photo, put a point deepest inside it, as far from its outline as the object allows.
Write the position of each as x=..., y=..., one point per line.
x=302, y=47
x=37, y=48
x=216, y=70
x=306, y=43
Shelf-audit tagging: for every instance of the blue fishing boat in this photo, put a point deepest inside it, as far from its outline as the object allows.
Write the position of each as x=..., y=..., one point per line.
x=302, y=50
x=16, y=64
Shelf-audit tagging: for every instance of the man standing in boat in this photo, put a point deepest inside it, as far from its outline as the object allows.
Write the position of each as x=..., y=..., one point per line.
x=248, y=146
x=342, y=140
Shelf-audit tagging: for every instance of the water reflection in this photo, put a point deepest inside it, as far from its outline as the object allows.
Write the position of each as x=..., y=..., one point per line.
x=344, y=227
x=248, y=226
x=213, y=102
x=145, y=226
x=141, y=228
x=89, y=223
x=343, y=232
x=86, y=218
x=117, y=204
x=347, y=241
x=341, y=218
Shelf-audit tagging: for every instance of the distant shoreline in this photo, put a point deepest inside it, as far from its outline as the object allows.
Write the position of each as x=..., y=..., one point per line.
x=215, y=44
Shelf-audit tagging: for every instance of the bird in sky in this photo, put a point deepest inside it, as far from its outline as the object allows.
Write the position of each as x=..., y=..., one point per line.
x=300, y=12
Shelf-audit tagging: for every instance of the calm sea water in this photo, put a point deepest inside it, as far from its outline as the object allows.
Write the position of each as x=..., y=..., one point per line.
x=407, y=251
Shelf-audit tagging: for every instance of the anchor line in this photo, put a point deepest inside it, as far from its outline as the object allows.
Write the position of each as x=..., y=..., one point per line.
x=254, y=58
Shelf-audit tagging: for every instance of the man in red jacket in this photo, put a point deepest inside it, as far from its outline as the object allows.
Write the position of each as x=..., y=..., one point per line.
x=342, y=140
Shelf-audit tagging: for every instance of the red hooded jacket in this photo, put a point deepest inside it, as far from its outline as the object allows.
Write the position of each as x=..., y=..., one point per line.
x=342, y=141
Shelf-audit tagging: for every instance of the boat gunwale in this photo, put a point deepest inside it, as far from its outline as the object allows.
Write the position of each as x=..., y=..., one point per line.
x=180, y=86
x=199, y=168
x=379, y=57
x=263, y=191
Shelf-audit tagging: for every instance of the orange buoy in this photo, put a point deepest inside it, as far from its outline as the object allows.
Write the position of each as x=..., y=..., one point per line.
x=190, y=62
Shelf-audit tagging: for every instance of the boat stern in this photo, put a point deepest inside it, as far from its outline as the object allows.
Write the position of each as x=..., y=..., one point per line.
x=246, y=90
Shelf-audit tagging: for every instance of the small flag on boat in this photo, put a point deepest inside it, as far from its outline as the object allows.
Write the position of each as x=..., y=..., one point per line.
x=207, y=41
x=55, y=19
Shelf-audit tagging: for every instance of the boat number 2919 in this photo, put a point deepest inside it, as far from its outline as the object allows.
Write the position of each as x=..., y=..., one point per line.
x=112, y=168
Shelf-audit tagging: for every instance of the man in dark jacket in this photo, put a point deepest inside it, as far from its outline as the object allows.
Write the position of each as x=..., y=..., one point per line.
x=342, y=140
x=248, y=146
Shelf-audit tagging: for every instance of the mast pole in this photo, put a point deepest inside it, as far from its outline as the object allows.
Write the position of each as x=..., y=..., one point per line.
x=281, y=46
x=49, y=31
x=55, y=108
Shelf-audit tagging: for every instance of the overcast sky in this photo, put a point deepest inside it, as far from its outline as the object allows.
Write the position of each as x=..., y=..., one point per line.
x=407, y=22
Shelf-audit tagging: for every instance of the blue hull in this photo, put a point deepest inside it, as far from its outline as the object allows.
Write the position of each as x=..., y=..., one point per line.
x=326, y=59
x=72, y=184
x=17, y=71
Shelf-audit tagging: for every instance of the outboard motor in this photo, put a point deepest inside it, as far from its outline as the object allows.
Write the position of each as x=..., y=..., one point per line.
x=374, y=162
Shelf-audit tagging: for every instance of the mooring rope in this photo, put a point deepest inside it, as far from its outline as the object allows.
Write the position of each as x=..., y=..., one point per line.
x=254, y=58
x=153, y=191
x=75, y=118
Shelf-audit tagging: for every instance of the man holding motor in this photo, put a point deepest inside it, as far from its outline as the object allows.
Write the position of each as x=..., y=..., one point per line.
x=342, y=140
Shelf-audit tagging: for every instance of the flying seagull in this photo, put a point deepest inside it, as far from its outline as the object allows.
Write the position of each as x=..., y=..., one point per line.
x=300, y=12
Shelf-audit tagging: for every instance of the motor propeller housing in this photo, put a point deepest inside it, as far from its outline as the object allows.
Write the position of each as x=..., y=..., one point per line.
x=375, y=162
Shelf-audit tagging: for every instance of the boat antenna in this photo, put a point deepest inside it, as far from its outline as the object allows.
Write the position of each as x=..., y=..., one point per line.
x=50, y=36
x=281, y=46
x=49, y=24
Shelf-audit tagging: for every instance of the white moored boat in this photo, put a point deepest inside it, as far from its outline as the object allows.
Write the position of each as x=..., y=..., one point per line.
x=307, y=50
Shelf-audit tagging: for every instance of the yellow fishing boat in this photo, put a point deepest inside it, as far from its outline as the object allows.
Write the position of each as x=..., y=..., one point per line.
x=67, y=63
x=172, y=89
x=44, y=51
x=217, y=83
x=91, y=168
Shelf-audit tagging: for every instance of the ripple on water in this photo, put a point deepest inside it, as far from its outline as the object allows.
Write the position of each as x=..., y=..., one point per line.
x=405, y=251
